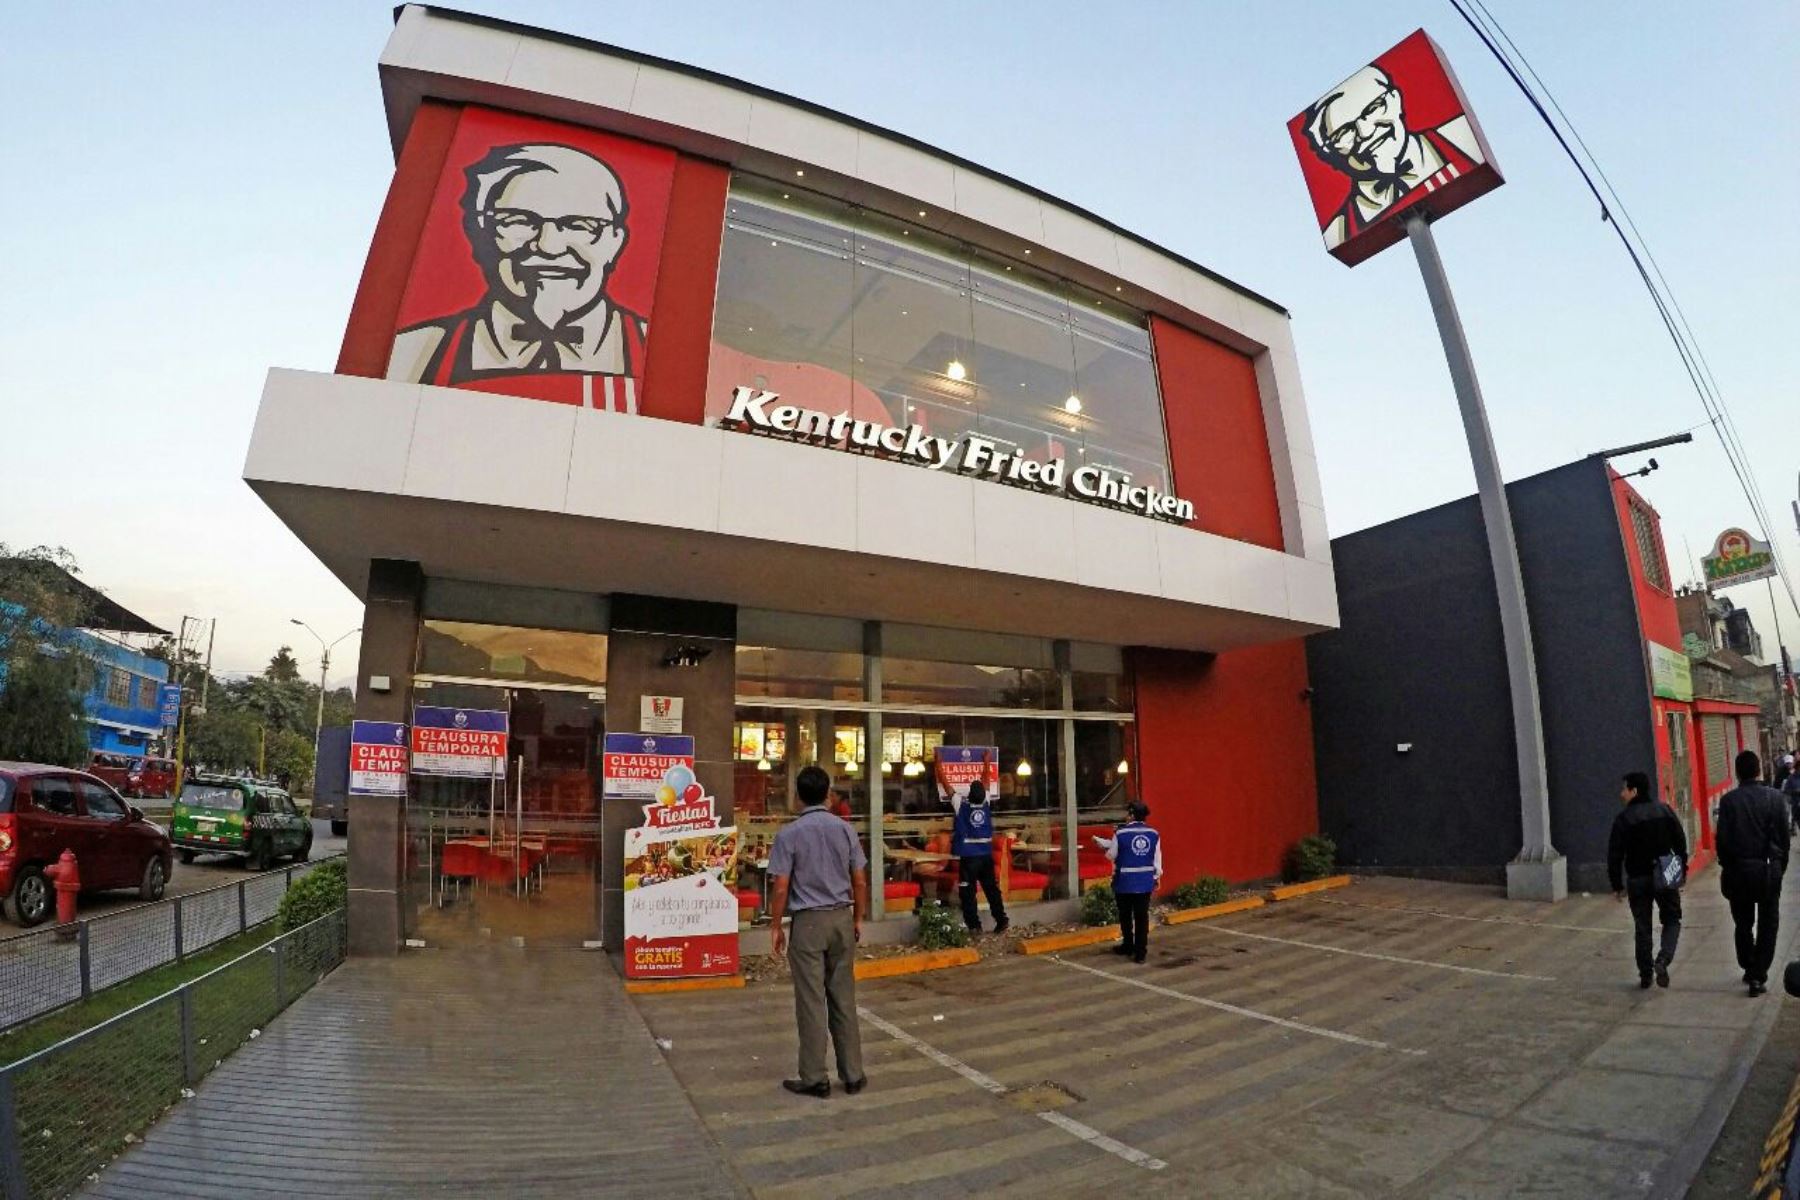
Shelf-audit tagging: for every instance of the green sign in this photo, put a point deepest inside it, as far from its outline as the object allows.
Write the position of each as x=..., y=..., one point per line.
x=1670, y=675
x=1738, y=558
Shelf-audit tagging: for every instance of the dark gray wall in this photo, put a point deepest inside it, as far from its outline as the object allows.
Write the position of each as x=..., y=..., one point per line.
x=1418, y=658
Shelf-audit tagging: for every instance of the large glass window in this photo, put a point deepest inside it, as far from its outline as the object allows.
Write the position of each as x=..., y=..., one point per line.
x=799, y=674
x=840, y=309
x=467, y=650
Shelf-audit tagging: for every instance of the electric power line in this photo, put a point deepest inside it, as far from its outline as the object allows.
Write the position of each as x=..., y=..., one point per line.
x=1675, y=322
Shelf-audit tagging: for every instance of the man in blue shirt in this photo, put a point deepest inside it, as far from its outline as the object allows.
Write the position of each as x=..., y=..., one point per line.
x=972, y=841
x=817, y=866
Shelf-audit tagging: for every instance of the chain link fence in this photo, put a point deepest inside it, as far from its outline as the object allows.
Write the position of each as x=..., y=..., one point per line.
x=68, y=1110
x=44, y=969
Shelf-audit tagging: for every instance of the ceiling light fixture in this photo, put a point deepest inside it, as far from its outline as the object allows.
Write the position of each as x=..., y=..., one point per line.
x=1023, y=770
x=956, y=371
x=850, y=767
x=799, y=174
x=762, y=764
x=1072, y=404
x=887, y=768
x=1124, y=767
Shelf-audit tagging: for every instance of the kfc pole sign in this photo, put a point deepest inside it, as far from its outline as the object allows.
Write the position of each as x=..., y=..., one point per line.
x=1395, y=138
x=467, y=742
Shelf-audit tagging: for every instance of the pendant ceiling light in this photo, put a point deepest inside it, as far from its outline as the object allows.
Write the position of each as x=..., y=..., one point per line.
x=762, y=764
x=1023, y=771
x=1124, y=767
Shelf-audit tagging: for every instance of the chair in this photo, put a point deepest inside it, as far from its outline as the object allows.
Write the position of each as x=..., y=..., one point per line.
x=460, y=861
x=1091, y=864
x=748, y=904
x=940, y=878
x=1015, y=884
x=899, y=889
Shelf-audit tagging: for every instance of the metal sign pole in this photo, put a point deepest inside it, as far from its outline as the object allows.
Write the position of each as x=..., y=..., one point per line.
x=1539, y=872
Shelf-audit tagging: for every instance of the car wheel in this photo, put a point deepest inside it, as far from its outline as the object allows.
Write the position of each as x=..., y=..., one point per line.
x=340, y=828
x=258, y=858
x=156, y=879
x=188, y=856
x=32, y=897
x=305, y=851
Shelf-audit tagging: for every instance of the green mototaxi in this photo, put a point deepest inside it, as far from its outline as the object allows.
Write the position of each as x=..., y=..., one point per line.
x=244, y=818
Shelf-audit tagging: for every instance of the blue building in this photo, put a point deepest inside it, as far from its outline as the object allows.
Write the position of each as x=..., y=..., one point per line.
x=121, y=707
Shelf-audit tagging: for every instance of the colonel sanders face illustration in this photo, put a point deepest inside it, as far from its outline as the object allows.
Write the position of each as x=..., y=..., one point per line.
x=1361, y=127
x=546, y=224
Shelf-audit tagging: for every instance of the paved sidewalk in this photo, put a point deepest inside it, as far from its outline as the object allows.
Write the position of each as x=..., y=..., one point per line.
x=441, y=1073
x=1397, y=1038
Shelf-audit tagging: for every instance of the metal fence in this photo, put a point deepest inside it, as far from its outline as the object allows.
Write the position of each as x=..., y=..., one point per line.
x=44, y=969
x=68, y=1110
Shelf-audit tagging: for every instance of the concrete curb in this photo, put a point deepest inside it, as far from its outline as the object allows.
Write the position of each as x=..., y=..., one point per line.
x=1049, y=943
x=1183, y=916
x=1292, y=891
x=912, y=964
x=654, y=987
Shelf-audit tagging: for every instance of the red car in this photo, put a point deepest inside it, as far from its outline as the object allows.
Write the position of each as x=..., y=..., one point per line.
x=115, y=769
x=151, y=778
x=46, y=810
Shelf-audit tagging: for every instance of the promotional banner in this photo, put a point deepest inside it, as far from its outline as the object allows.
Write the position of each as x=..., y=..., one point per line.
x=959, y=766
x=378, y=758
x=1394, y=137
x=1738, y=558
x=641, y=766
x=467, y=742
x=681, y=911
x=168, y=705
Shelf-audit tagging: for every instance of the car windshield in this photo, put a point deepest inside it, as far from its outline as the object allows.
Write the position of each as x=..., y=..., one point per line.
x=201, y=795
x=5, y=794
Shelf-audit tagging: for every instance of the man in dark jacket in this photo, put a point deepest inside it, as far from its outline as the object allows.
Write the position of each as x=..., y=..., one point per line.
x=1643, y=833
x=1752, y=840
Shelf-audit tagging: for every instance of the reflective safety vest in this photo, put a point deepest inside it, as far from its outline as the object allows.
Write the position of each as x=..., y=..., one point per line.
x=1134, y=861
x=973, y=834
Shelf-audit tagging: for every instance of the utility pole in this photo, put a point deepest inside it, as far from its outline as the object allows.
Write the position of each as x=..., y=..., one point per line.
x=324, y=666
x=212, y=627
x=1538, y=872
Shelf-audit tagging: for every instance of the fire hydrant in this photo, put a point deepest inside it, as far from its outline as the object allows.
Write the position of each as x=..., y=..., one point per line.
x=66, y=876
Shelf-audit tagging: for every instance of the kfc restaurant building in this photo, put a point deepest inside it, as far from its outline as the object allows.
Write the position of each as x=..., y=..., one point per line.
x=670, y=405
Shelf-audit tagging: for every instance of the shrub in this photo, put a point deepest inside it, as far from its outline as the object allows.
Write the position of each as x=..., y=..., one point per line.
x=1311, y=858
x=322, y=890
x=1208, y=889
x=940, y=927
x=1099, y=906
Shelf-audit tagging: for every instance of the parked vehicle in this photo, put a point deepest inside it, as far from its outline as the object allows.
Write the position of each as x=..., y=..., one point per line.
x=243, y=818
x=45, y=810
x=114, y=769
x=331, y=779
x=151, y=778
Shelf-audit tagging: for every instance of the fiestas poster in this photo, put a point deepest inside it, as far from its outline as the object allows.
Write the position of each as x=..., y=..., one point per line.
x=378, y=755
x=959, y=766
x=468, y=742
x=681, y=912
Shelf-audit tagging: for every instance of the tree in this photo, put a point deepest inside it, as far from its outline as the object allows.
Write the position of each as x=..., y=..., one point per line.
x=289, y=758
x=43, y=674
x=40, y=711
x=283, y=667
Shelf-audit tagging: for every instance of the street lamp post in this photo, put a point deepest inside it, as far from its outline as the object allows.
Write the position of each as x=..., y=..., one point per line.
x=324, y=666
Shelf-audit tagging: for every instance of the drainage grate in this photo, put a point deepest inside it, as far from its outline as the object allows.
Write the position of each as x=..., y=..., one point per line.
x=1041, y=1097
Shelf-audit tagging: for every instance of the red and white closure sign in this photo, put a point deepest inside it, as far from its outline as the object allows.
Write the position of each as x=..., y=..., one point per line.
x=959, y=766
x=459, y=741
x=378, y=754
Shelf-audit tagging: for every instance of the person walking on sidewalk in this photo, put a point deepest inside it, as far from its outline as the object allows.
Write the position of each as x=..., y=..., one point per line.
x=972, y=841
x=818, y=866
x=1644, y=833
x=1752, y=840
x=1136, y=853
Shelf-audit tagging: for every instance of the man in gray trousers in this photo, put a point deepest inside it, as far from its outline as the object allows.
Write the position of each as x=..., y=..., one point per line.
x=817, y=866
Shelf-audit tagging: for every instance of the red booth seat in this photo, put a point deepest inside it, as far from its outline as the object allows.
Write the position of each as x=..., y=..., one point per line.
x=896, y=890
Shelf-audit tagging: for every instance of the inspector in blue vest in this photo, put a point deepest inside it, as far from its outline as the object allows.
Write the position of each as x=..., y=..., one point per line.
x=1134, y=861
x=972, y=833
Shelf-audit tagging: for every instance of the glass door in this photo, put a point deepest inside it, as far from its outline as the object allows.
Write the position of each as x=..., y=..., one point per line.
x=514, y=858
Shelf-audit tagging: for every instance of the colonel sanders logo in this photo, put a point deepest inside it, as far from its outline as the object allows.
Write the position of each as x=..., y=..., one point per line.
x=1394, y=135
x=546, y=223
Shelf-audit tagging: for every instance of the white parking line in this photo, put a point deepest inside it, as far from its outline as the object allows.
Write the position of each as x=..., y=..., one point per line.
x=1393, y=958
x=1236, y=1010
x=988, y=1083
x=1432, y=912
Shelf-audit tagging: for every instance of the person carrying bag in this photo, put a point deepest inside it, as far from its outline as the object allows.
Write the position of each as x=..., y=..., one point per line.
x=1646, y=860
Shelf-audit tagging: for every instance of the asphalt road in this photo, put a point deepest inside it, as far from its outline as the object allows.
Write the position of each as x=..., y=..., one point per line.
x=208, y=871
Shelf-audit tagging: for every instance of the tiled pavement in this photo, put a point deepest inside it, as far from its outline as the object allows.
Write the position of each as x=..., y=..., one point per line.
x=1512, y=1053
x=479, y=1073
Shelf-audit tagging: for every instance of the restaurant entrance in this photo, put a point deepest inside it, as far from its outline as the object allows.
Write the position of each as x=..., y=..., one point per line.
x=513, y=858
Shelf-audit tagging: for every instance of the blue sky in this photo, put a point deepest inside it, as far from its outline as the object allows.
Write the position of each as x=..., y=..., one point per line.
x=193, y=188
